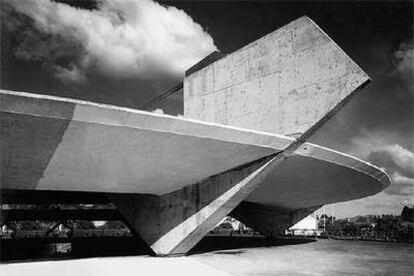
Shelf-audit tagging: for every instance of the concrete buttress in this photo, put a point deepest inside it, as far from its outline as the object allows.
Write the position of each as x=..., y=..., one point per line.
x=173, y=223
x=174, y=179
x=291, y=82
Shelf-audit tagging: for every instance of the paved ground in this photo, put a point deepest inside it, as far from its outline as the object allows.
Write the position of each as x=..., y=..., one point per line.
x=322, y=257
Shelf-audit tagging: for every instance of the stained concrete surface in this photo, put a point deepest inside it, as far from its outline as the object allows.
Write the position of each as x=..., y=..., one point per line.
x=282, y=83
x=174, y=223
x=112, y=149
x=297, y=67
x=320, y=257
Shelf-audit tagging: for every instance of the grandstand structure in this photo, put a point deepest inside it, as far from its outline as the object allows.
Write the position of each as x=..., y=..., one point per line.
x=241, y=148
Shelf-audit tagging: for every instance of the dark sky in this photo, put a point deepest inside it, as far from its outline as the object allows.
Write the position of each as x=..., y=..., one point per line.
x=377, y=35
x=368, y=31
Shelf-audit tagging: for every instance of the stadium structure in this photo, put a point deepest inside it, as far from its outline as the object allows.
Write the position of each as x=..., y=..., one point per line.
x=241, y=148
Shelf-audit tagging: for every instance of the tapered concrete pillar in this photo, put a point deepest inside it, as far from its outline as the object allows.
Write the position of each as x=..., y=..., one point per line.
x=173, y=223
x=270, y=222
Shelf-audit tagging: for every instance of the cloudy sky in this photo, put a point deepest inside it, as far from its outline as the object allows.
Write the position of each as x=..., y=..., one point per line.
x=126, y=52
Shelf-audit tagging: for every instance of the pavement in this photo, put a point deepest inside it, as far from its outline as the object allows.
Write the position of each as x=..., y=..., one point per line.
x=320, y=257
x=137, y=265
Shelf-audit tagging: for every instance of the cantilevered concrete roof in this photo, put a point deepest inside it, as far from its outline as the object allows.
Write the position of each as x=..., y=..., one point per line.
x=50, y=143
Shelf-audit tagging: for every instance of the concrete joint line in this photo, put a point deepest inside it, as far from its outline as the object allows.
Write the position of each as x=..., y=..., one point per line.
x=173, y=238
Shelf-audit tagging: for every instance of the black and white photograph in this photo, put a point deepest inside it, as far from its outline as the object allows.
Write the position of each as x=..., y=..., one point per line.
x=222, y=138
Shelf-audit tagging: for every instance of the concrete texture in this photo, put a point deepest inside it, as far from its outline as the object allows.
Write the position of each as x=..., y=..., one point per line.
x=177, y=177
x=282, y=83
x=109, y=149
x=175, y=222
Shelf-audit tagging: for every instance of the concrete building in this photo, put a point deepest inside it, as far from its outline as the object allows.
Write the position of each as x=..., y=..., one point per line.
x=240, y=150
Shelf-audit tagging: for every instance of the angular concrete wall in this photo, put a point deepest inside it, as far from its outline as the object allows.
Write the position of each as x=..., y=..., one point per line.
x=282, y=83
x=175, y=222
x=288, y=82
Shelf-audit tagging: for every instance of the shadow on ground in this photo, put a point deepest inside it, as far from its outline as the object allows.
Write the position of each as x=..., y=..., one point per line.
x=24, y=250
x=214, y=243
x=40, y=250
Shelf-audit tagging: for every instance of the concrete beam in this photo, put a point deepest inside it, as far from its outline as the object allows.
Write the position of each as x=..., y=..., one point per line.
x=111, y=149
x=56, y=144
x=175, y=222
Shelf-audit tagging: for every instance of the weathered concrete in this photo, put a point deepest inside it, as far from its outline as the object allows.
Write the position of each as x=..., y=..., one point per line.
x=109, y=149
x=176, y=177
x=282, y=83
x=175, y=222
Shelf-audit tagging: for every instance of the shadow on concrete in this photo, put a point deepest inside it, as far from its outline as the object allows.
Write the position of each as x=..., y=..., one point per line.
x=214, y=243
x=34, y=250
x=232, y=252
x=26, y=250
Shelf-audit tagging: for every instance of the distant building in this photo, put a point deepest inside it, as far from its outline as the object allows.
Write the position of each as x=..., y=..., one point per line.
x=306, y=227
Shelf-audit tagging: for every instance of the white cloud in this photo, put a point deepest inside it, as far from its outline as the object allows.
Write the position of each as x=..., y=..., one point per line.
x=120, y=39
x=408, y=202
x=398, y=178
x=404, y=62
x=363, y=144
x=399, y=162
x=395, y=159
x=401, y=185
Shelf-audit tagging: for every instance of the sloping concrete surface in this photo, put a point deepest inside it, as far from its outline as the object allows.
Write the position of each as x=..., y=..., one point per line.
x=175, y=222
x=92, y=147
x=183, y=176
x=109, y=149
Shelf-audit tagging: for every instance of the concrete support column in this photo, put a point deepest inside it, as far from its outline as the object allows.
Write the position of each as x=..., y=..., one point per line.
x=173, y=223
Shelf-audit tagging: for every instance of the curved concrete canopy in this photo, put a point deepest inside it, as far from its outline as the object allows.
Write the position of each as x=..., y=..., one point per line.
x=302, y=182
x=50, y=143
